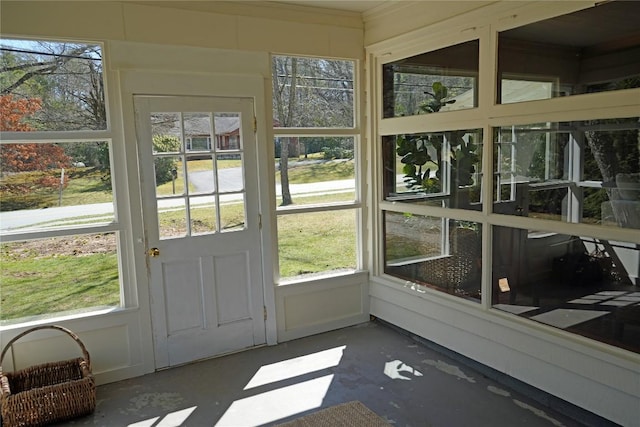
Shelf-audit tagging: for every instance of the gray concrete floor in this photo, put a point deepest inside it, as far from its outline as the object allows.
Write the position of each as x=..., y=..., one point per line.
x=270, y=385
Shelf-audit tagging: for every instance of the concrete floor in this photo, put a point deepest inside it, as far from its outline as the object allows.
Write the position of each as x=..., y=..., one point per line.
x=404, y=381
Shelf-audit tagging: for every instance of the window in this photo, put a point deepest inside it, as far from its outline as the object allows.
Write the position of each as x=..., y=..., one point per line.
x=60, y=238
x=316, y=152
x=583, y=171
x=441, y=80
x=434, y=168
x=433, y=252
x=564, y=56
x=561, y=232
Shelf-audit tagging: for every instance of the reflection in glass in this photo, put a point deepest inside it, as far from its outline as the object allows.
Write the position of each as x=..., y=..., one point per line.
x=437, y=253
x=312, y=92
x=232, y=213
x=575, y=171
x=56, y=176
x=317, y=242
x=172, y=218
x=564, y=56
x=67, y=274
x=436, y=168
x=314, y=170
x=169, y=175
x=580, y=284
x=202, y=214
x=441, y=80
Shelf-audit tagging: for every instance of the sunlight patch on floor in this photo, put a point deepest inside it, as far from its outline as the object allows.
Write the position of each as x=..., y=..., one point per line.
x=291, y=368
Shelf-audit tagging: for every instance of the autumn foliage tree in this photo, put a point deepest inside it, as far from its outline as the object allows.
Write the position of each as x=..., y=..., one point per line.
x=17, y=160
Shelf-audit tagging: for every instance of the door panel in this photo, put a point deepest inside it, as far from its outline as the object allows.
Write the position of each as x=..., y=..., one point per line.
x=198, y=169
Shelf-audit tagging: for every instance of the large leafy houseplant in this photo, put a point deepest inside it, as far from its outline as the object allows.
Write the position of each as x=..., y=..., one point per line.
x=422, y=153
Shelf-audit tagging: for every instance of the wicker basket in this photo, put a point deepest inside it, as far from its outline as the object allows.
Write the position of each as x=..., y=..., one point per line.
x=47, y=393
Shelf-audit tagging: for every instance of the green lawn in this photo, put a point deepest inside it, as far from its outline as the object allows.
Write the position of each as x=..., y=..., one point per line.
x=44, y=277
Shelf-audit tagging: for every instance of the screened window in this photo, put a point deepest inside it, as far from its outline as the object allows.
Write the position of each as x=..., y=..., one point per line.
x=60, y=239
x=316, y=152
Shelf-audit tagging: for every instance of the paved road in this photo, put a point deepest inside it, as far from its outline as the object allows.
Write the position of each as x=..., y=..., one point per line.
x=104, y=211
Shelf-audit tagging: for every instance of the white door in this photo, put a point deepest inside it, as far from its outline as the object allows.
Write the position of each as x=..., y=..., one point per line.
x=198, y=169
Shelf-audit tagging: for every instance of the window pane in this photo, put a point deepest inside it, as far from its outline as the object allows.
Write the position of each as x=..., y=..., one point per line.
x=203, y=215
x=51, y=185
x=437, y=253
x=312, y=92
x=227, y=131
x=576, y=171
x=441, y=80
x=564, y=56
x=58, y=84
x=580, y=284
x=232, y=213
x=55, y=275
x=436, y=168
x=172, y=218
x=316, y=170
x=311, y=243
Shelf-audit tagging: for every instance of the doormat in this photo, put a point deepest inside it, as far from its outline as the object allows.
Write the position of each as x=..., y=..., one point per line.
x=351, y=414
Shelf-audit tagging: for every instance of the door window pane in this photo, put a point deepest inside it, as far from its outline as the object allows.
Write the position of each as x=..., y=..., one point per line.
x=172, y=218
x=437, y=253
x=441, y=80
x=203, y=215
x=580, y=284
x=565, y=56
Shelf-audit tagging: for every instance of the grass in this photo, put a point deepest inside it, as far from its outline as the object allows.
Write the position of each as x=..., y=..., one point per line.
x=37, y=280
x=34, y=284
x=316, y=242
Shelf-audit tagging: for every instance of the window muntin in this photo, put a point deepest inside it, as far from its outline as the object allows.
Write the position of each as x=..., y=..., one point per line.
x=434, y=168
x=580, y=284
x=60, y=84
x=564, y=56
x=313, y=92
x=316, y=187
x=441, y=80
x=583, y=171
x=433, y=252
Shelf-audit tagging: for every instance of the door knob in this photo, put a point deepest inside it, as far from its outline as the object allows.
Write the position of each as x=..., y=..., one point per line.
x=154, y=252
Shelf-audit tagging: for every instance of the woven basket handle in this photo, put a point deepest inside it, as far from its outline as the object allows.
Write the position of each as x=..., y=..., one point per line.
x=72, y=334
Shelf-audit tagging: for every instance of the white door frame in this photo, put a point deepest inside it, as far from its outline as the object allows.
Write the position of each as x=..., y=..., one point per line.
x=188, y=84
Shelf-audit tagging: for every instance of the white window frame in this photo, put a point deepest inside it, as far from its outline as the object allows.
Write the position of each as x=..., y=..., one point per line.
x=121, y=228
x=354, y=132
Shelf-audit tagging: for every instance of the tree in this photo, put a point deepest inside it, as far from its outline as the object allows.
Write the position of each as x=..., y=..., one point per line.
x=20, y=159
x=29, y=156
x=309, y=92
